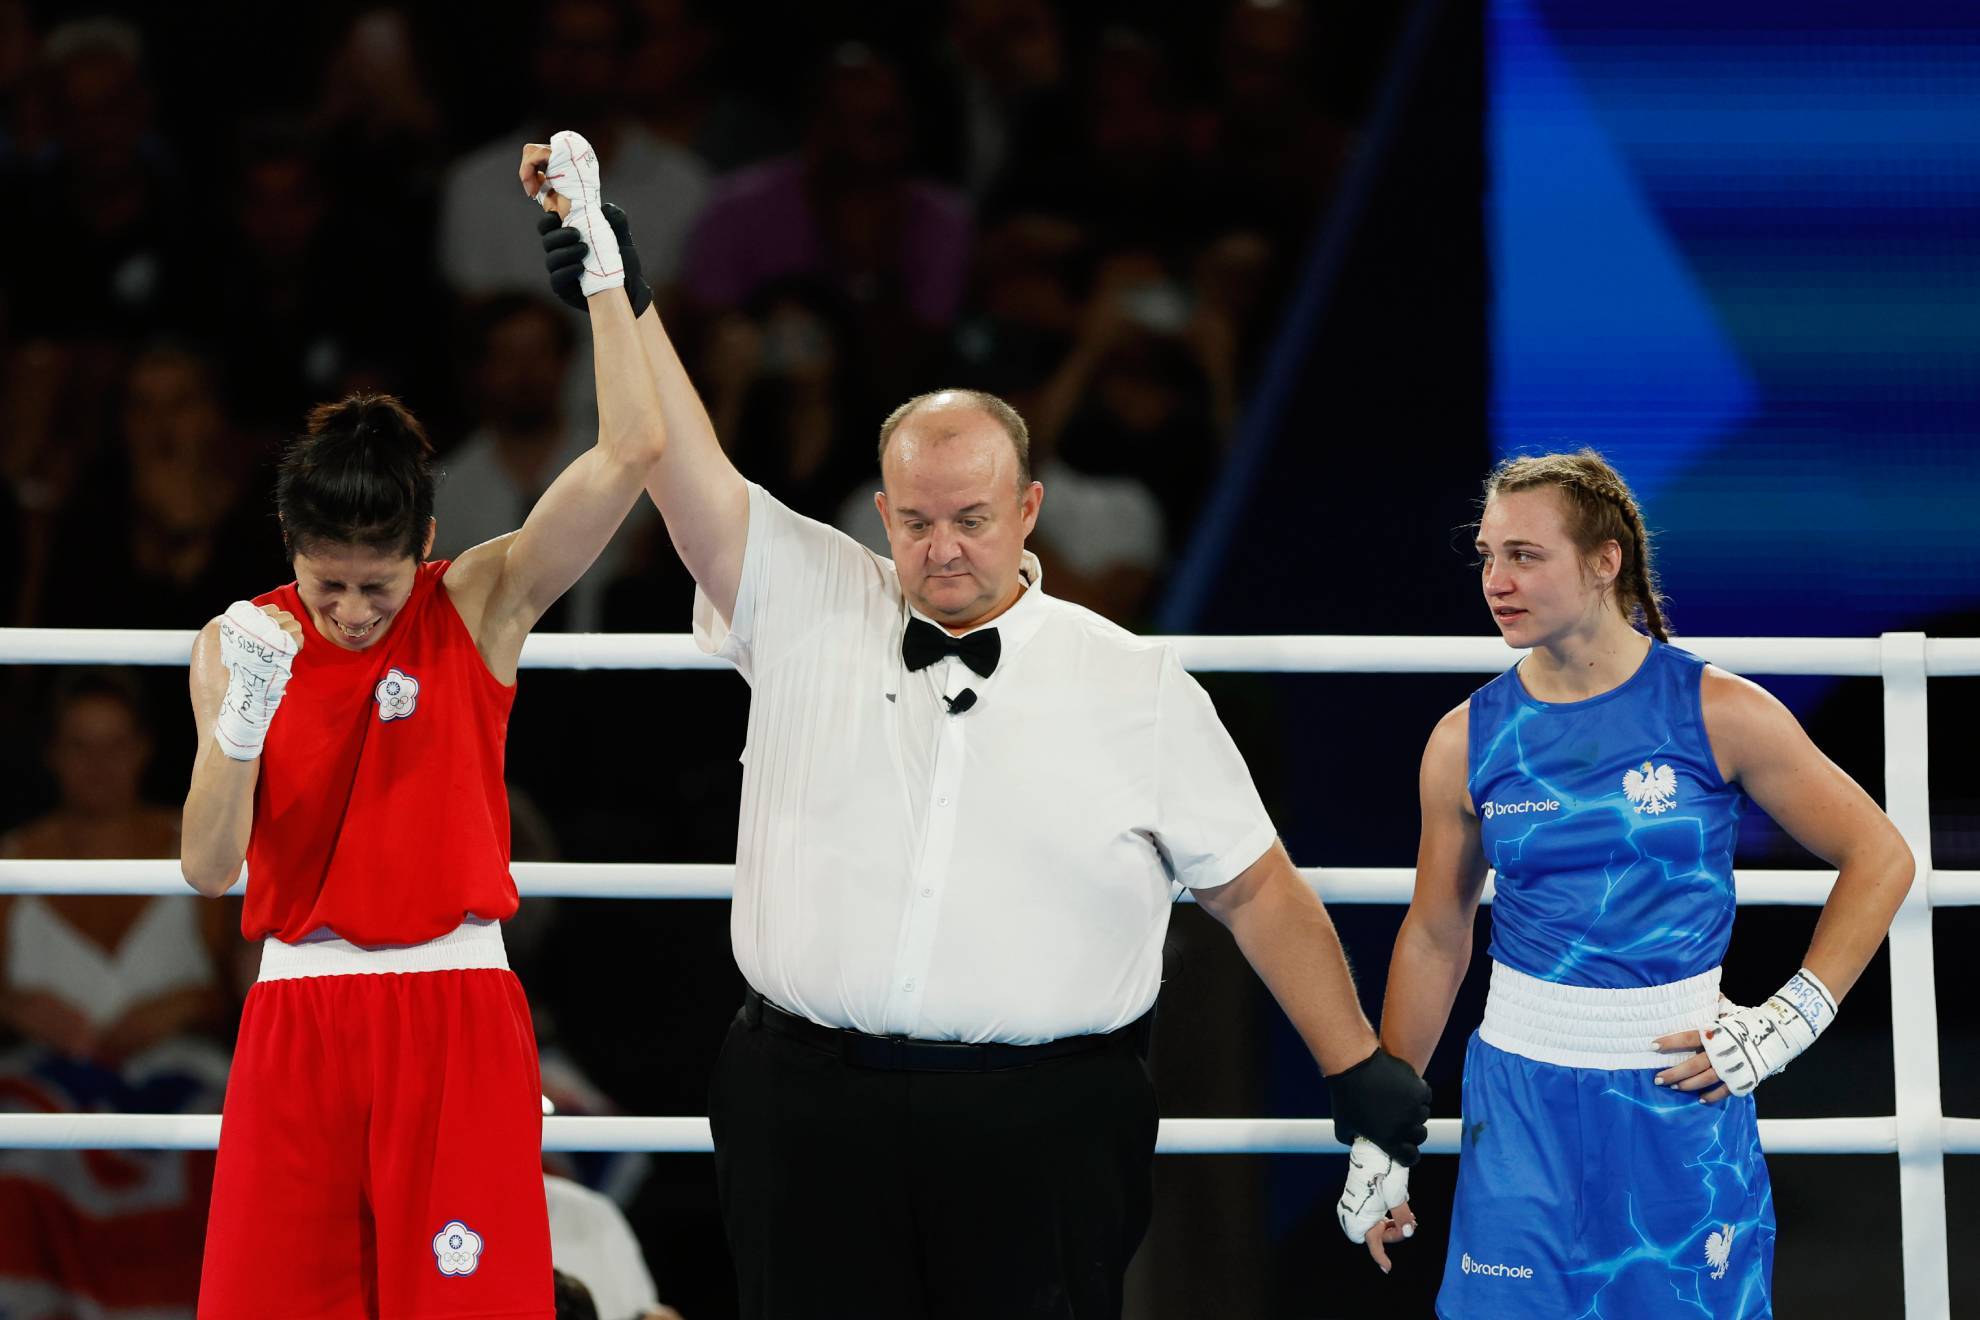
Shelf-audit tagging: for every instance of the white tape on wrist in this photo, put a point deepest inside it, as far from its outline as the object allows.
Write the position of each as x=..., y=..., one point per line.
x=258, y=655
x=1749, y=1045
x=573, y=173
x=1376, y=1184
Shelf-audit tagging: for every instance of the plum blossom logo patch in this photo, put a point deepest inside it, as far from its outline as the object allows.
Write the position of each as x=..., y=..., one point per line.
x=458, y=1248
x=397, y=694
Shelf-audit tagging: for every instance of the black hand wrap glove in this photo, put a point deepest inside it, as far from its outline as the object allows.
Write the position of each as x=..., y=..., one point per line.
x=564, y=251
x=1381, y=1098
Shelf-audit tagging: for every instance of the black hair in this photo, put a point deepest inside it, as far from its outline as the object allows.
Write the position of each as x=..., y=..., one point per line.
x=573, y=1299
x=361, y=474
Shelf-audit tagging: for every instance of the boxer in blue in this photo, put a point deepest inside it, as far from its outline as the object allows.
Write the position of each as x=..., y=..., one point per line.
x=1610, y=1164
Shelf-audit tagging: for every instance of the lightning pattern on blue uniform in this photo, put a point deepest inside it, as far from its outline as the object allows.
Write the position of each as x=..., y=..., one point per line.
x=1596, y=1194
x=1586, y=1192
x=1605, y=880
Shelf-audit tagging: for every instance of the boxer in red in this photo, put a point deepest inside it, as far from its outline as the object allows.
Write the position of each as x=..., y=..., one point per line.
x=380, y=1154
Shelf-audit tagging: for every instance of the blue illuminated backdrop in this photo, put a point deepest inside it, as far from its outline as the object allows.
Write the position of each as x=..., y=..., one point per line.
x=1737, y=248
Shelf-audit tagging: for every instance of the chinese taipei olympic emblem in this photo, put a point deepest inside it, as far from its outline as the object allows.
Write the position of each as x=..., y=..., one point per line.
x=457, y=1248
x=397, y=694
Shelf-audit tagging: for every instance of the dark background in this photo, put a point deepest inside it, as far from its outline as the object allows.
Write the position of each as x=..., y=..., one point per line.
x=1310, y=427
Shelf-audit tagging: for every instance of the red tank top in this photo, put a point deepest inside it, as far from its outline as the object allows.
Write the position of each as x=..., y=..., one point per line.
x=380, y=811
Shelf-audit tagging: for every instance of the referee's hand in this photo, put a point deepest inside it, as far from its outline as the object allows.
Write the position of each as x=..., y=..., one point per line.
x=1381, y=1098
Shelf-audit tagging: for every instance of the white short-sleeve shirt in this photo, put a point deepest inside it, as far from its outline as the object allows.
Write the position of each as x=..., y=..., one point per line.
x=1004, y=874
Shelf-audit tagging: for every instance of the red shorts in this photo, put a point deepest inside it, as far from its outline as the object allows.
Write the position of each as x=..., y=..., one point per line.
x=381, y=1152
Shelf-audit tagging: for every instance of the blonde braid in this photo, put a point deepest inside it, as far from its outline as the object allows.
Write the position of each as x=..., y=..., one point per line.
x=1603, y=509
x=1638, y=579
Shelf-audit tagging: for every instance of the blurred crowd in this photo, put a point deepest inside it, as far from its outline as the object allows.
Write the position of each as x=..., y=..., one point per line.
x=1094, y=211
x=1084, y=218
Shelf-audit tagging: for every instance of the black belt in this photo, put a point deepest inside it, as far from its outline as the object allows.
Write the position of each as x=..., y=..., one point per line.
x=905, y=1054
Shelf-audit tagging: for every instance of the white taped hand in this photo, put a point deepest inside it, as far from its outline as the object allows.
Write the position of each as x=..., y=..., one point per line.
x=1376, y=1184
x=257, y=652
x=1749, y=1045
x=573, y=174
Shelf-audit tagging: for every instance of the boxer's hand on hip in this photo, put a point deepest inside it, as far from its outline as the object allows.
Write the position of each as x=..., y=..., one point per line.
x=1749, y=1045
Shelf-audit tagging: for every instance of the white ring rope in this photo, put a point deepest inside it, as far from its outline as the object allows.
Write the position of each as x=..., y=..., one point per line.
x=1178, y=1136
x=1853, y=657
x=1345, y=884
x=1919, y=1133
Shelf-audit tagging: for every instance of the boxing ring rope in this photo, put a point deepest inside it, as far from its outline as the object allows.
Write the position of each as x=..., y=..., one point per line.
x=1179, y=1136
x=1919, y=1133
x=1347, y=884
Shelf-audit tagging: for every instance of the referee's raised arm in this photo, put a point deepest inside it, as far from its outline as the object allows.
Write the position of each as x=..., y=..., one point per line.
x=702, y=497
x=704, y=500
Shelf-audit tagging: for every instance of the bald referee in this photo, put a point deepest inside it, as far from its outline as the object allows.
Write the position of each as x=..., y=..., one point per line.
x=967, y=810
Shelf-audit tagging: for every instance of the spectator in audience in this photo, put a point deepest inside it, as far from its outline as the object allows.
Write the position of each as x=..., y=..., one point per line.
x=1236, y=285
x=578, y=68
x=17, y=45
x=146, y=967
x=1025, y=307
x=108, y=996
x=671, y=86
x=169, y=530
x=1132, y=398
x=1271, y=153
x=375, y=105
x=844, y=210
x=301, y=307
x=598, y=1257
x=1120, y=167
x=573, y=1299
x=1008, y=73
x=47, y=441
x=110, y=187
x=787, y=392
x=523, y=349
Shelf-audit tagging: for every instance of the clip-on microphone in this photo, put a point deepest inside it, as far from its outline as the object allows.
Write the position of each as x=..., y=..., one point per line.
x=962, y=701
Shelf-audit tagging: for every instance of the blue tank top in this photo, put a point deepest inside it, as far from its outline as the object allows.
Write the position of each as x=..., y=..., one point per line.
x=1609, y=825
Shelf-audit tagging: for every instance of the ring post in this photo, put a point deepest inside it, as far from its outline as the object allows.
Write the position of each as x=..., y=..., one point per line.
x=1915, y=1018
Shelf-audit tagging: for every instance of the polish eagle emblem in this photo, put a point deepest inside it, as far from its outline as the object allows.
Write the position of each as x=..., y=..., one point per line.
x=1718, y=1250
x=1652, y=790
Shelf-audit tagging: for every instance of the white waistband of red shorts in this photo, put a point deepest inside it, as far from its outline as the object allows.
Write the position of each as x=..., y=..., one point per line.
x=473, y=945
x=1581, y=1026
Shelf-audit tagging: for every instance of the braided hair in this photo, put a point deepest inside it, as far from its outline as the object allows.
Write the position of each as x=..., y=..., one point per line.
x=1600, y=509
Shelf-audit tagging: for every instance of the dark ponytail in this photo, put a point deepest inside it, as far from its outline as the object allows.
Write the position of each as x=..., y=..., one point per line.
x=360, y=474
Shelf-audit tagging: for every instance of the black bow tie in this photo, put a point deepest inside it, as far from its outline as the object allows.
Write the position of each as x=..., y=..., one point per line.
x=924, y=644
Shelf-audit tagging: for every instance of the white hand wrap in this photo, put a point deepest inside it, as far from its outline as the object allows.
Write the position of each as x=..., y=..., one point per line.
x=257, y=653
x=1376, y=1184
x=1749, y=1045
x=573, y=173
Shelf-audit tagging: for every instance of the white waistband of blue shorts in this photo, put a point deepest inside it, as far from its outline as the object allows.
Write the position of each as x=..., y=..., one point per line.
x=1580, y=1026
x=474, y=944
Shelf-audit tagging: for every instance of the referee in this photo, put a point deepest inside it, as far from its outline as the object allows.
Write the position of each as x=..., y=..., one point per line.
x=967, y=809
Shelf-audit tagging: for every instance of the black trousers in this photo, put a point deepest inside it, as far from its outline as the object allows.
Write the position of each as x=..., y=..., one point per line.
x=853, y=1193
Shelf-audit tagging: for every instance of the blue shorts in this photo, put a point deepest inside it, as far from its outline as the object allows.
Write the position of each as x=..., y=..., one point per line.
x=1585, y=1192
